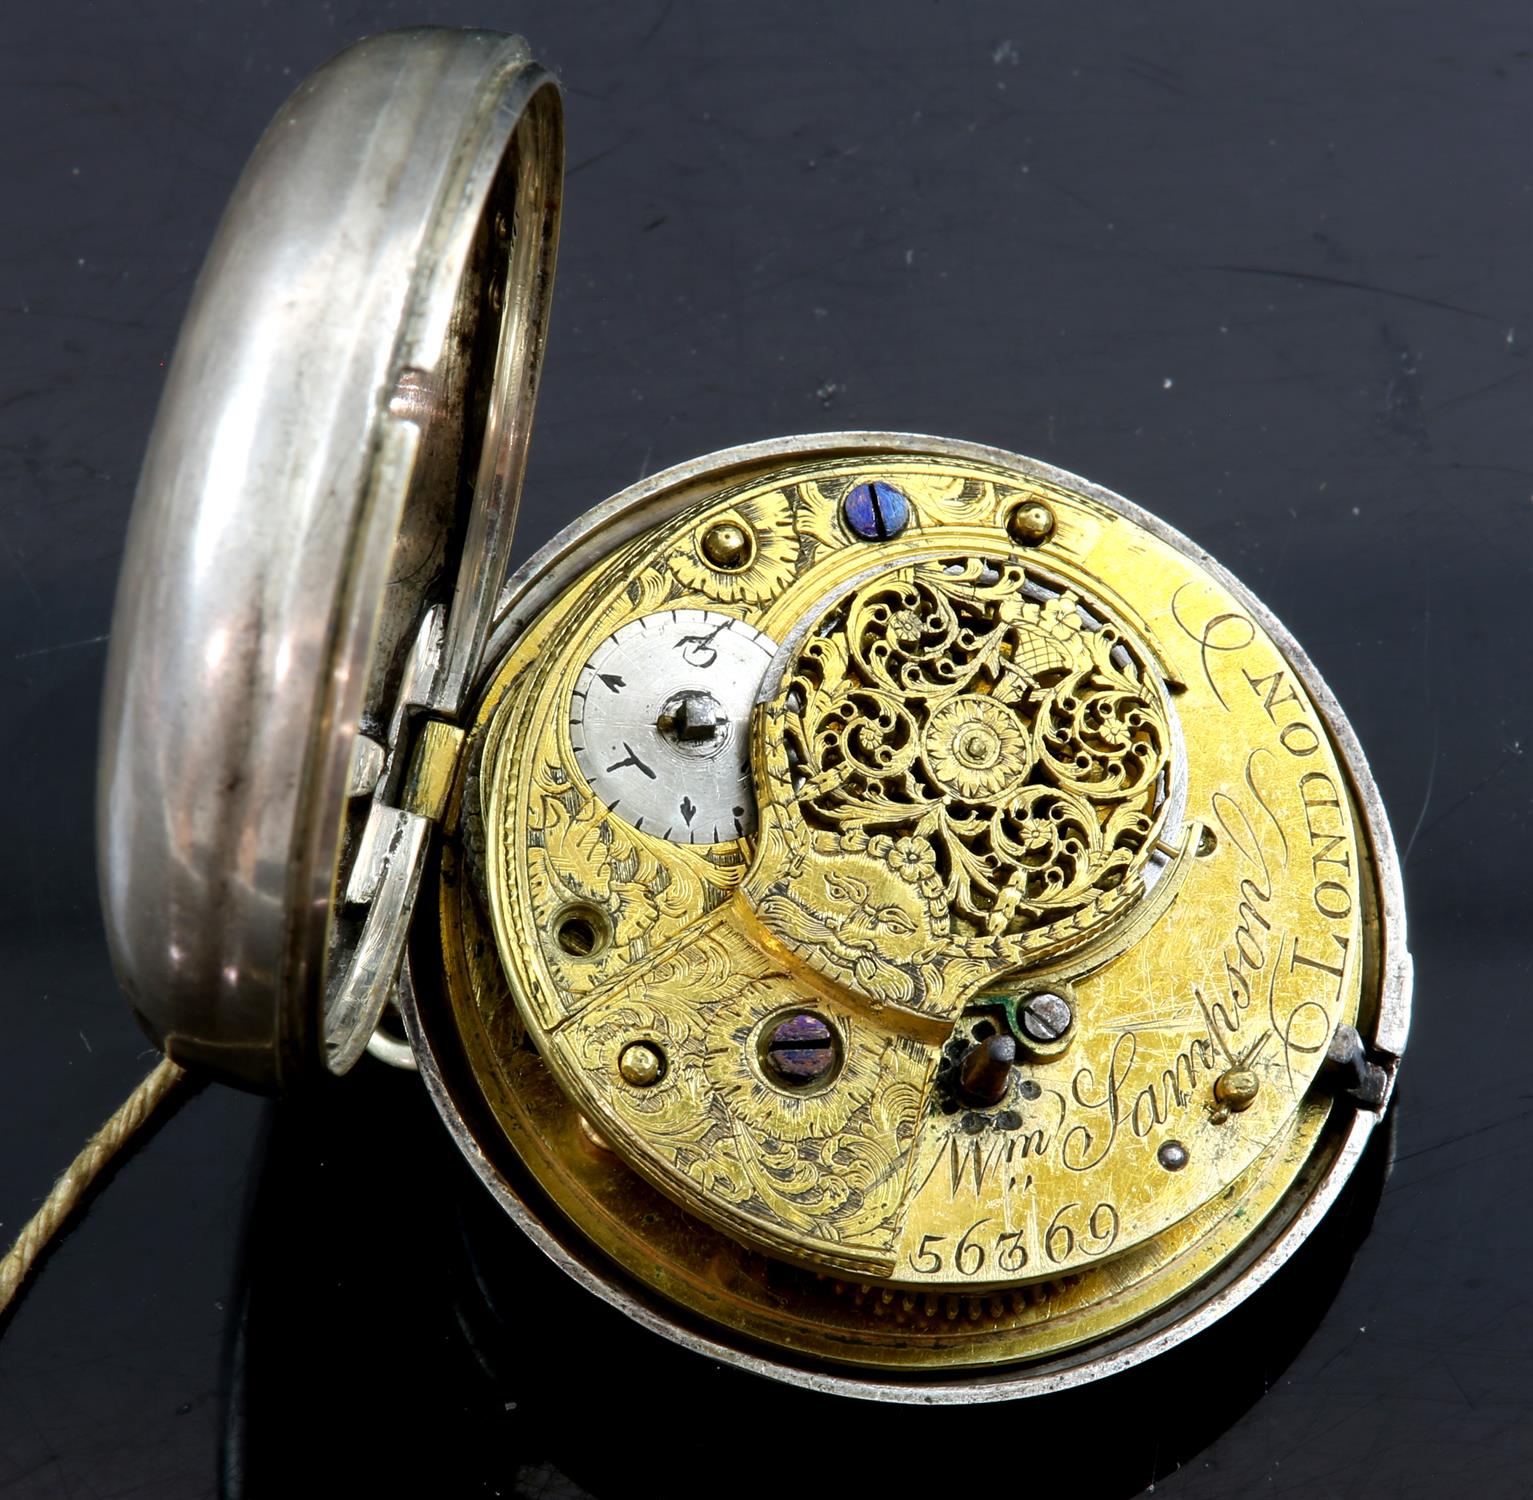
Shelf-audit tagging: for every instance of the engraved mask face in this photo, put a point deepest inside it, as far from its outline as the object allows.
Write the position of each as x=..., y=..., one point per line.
x=974, y=765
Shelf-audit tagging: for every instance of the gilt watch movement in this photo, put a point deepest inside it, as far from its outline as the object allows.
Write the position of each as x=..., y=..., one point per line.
x=882, y=911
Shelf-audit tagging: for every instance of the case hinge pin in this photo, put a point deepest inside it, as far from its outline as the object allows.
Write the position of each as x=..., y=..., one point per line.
x=432, y=768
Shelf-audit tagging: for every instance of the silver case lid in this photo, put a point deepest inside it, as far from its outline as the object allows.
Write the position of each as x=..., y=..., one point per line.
x=320, y=531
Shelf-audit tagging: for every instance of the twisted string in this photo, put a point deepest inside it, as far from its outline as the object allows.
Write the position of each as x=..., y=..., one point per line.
x=76, y=1181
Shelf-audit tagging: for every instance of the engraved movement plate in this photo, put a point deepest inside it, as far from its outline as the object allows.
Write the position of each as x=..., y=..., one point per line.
x=995, y=770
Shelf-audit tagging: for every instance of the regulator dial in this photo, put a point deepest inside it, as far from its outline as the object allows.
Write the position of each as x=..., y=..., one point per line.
x=659, y=722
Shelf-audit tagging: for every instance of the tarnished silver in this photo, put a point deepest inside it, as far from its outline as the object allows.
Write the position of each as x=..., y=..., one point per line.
x=453, y=1088
x=387, y=1043
x=339, y=447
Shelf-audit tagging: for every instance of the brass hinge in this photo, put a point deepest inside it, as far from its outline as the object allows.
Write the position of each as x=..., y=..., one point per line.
x=433, y=764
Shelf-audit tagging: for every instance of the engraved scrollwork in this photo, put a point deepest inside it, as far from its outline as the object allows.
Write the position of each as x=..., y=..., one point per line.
x=967, y=707
x=768, y=561
x=575, y=854
x=828, y=1165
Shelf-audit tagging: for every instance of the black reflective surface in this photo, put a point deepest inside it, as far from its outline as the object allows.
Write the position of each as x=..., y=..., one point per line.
x=514, y=1381
x=1264, y=270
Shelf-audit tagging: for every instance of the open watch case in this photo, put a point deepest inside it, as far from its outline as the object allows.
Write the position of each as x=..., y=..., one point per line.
x=883, y=912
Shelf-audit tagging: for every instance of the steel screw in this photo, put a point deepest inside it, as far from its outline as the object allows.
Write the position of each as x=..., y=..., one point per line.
x=1172, y=1156
x=1046, y=1017
x=693, y=720
x=1346, y=1053
x=801, y=1049
x=985, y=1071
x=875, y=511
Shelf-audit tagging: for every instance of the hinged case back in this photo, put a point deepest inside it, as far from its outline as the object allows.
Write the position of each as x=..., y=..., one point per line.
x=321, y=530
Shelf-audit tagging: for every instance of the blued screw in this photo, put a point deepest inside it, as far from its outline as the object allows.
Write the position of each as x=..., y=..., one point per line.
x=801, y=1049
x=875, y=511
x=1046, y=1017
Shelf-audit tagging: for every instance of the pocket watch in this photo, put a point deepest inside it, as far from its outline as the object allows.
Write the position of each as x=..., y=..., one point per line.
x=881, y=911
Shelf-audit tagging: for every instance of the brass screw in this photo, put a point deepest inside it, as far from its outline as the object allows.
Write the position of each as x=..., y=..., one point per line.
x=1236, y=1089
x=728, y=545
x=1031, y=524
x=641, y=1064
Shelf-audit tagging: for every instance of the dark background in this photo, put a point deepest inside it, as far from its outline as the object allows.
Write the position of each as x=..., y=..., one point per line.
x=1264, y=269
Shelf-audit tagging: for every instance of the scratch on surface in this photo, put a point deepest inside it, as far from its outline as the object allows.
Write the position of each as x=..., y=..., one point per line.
x=660, y=20
x=1347, y=284
x=22, y=571
x=1426, y=673
x=1454, y=806
x=92, y=640
x=1453, y=1376
x=1478, y=392
x=1344, y=1350
x=1154, y=73
x=1467, y=1135
x=590, y=161
x=1426, y=800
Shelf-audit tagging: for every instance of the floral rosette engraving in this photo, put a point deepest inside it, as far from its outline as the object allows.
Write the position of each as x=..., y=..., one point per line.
x=764, y=565
x=979, y=714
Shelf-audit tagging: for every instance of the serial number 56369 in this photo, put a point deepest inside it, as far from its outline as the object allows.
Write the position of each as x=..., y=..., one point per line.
x=1005, y=1253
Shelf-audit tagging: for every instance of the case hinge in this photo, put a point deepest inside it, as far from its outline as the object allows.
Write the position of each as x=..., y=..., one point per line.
x=433, y=764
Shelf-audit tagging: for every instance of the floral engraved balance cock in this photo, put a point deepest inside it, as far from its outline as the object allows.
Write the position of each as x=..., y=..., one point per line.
x=963, y=769
x=972, y=767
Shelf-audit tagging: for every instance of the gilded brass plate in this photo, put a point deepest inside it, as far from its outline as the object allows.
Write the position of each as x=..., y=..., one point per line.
x=990, y=759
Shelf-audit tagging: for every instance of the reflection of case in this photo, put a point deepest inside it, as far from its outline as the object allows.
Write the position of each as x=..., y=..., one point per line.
x=521, y=1364
x=1045, y=991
